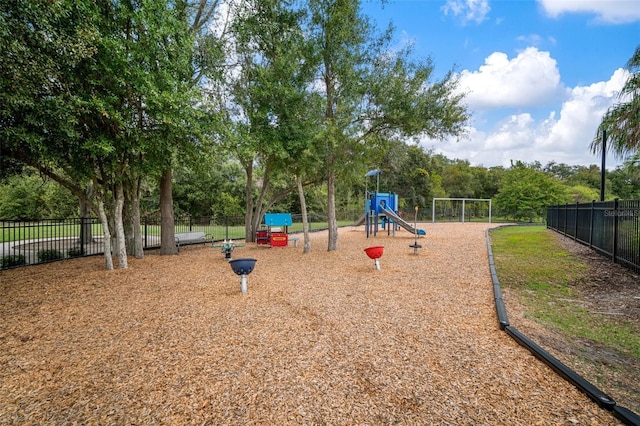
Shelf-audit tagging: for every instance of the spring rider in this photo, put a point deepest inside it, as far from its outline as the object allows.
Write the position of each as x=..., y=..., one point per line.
x=227, y=247
x=243, y=267
x=375, y=253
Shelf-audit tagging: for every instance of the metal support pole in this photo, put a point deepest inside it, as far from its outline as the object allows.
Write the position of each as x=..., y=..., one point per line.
x=462, y=211
x=603, y=169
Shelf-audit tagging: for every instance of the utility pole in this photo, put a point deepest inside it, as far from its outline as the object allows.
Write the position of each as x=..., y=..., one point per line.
x=602, y=169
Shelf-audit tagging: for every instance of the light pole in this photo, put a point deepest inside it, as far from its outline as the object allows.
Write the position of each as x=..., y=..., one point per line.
x=604, y=156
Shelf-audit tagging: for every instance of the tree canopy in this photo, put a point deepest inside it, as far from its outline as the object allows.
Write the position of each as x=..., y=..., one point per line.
x=371, y=93
x=253, y=110
x=526, y=191
x=622, y=121
x=100, y=94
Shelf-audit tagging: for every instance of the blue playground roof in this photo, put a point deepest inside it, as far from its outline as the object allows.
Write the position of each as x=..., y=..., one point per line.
x=277, y=219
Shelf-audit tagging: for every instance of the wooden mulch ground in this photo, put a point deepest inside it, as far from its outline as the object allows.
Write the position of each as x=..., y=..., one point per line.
x=321, y=338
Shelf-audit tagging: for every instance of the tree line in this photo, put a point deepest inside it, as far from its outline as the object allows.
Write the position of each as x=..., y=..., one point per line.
x=417, y=176
x=204, y=106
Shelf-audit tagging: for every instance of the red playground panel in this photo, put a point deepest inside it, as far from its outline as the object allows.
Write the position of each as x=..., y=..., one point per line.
x=262, y=237
x=279, y=239
x=274, y=232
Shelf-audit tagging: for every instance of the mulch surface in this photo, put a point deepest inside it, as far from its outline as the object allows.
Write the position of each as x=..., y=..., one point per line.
x=319, y=339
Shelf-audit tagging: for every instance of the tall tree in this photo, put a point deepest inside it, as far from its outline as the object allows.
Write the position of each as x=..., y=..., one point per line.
x=410, y=177
x=622, y=120
x=526, y=191
x=371, y=93
x=624, y=181
x=42, y=46
x=206, y=55
x=110, y=75
x=458, y=180
x=268, y=93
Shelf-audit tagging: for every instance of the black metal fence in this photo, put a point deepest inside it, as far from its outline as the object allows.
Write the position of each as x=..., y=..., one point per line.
x=609, y=227
x=47, y=240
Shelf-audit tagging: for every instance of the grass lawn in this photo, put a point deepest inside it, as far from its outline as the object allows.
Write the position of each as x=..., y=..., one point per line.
x=42, y=230
x=547, y=280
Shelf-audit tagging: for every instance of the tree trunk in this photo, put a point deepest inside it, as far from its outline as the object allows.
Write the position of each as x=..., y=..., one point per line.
x=138, y=248
x=128, y=222
x=259, y=208
x=167, y=225
x=119, y=228
x=86, y=235
x=305, y=220
x=331, y=210
x=132, y=219
x=249, y=231
x=108, y=259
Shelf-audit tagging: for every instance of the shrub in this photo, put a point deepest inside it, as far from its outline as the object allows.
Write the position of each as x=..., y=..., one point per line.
x=74, y=252
x=12, y=261
x=49, y=255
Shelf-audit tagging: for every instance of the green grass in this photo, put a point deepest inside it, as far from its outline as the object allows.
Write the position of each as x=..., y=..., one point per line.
x=218, y=231
x=37, y=231
x=546, y=277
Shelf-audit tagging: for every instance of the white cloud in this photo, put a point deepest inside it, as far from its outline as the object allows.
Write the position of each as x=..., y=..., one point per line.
x=467, y=10
x=531, y=39
x=536, y=40
x=562, y=137
x=530, y=78
x=582, y=112
x=606, y=11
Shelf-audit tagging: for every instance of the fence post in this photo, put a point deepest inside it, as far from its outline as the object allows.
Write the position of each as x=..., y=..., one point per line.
x=614, y=252
x=226, y=227
x=593, y=207
x=82, y=236
x=146, y=222
x=575, y=227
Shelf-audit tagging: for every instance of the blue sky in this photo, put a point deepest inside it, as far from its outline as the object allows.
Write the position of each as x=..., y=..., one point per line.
x=539, y=74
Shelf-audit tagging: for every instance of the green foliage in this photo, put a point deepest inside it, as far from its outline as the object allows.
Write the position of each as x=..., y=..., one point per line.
x=624, y=181
x=209, y=186
x=29, y=196
x=272, y=116
x=583, y=194
x=526, y=191
x=48, y=255
x=457, y=180
x=106, y=92
x=74, y=252
x=410, y=177
x=97, y=91
x=12, y=261
x=43, y=44
x=228, y=205
x=622, y=121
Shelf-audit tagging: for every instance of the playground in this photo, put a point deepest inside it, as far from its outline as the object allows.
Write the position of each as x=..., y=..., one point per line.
x=321, y=338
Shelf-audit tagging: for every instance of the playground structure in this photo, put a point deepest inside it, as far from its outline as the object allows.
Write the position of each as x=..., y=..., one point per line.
x=381, y=209
x=375, y=253
x=415, y=246
x=243, y=267
x=275, y=230
x=227, y=247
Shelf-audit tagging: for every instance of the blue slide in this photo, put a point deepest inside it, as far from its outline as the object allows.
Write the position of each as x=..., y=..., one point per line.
x=400, y=221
